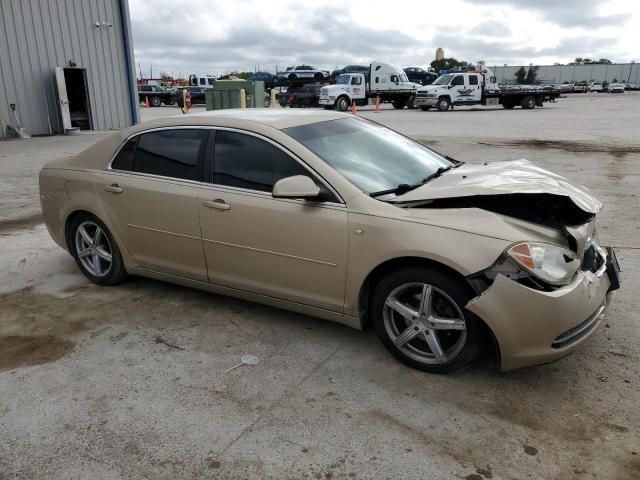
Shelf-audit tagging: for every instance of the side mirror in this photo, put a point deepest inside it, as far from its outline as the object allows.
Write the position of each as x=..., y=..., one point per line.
x=298, y=186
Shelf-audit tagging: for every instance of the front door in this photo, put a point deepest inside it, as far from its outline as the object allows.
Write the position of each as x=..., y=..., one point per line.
x=151, y=199
x=289, y=249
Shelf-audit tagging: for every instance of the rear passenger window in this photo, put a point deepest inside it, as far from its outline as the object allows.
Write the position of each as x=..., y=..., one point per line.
x=124, y=159
x=473, y=80
x=245, y=161
x=170, y=153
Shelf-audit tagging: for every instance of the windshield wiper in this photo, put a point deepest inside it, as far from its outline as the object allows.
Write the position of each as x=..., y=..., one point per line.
x=405, y=187
x=436, y=174
x=399, y=190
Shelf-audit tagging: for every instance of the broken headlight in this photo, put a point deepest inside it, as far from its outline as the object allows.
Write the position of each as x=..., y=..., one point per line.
x=552, y=264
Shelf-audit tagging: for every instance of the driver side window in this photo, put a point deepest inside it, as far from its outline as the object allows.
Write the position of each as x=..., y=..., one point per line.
x=245, y=161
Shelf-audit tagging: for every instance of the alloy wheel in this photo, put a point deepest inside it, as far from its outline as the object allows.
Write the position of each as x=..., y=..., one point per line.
x=93, y=249
x=424, y=323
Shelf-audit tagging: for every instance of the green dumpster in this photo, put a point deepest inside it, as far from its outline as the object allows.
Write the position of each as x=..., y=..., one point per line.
x=226, y=94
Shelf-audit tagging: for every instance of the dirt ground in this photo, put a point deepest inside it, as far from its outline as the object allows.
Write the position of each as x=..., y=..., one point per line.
x=129, y=381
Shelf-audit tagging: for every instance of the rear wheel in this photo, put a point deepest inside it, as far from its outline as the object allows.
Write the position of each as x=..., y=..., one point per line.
x=412, y=102
x=155, y=101
x=419, y=316
x=95, y=251
x=425, y=108
x=443, y=104
x=528, y=102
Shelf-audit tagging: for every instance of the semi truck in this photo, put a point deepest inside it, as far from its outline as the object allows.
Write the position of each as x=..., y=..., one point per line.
x=383, y=80
x=477, y=87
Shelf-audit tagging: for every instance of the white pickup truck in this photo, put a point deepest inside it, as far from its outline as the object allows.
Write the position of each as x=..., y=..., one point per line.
x=477, y=87
x=383, y=80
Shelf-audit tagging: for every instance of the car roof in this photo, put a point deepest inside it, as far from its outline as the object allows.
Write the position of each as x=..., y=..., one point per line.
x=271, y=117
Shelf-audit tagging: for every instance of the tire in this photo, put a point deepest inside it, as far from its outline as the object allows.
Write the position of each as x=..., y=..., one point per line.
x=411, y=104
x=318, y=77
x=83, y=232
x=528, y=102
x=267, y=102
x=342, y=104
x=425, y=108
x=398, y=105
x=443, y=104
x=293, y=77
x=155, y=101
x=457, y=346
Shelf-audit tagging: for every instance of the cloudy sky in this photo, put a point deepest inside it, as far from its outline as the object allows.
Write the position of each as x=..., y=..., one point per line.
x=214, y=36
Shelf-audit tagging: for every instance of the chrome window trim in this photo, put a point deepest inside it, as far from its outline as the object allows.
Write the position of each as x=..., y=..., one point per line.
x=210, y=184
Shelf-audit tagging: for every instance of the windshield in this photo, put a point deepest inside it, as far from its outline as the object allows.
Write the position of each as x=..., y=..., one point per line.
x=403, y=77
x=443, y=80
x=343, y=80
x=372, y=157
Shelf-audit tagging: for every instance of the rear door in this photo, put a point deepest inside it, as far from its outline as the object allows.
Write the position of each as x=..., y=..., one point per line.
x=475, y=87
x=150, y=195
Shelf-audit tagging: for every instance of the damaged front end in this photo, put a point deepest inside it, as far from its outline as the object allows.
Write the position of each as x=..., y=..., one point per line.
x=547, y=291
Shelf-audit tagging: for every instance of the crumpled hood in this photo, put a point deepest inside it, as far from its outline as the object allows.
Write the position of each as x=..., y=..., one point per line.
x=501, y=178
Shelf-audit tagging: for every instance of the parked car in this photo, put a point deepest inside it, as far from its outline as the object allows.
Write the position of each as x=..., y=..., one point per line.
x=616, y=88
x=631, y=86
x=282, y=96
x=197, y=95
x=419, y=75
x=157, y=95
x=580, y=87
x=565, y=87
x=270, y=80
x=335, y=216
x=348, y=69
x=305, y=95
x=303, y=73
x=596, y=87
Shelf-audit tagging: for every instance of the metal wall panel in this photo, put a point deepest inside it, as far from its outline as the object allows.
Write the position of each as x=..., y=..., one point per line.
x=38, y=35
x=575, y=73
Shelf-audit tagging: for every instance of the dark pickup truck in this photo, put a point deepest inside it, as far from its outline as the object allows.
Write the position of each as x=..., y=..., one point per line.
x=305, y=95
x=157, y=95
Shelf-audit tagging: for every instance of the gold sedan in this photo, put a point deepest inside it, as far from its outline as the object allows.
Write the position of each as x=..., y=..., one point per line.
x=341, y=218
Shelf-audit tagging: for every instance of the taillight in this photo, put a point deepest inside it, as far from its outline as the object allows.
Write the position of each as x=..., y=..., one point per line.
x=292, y=98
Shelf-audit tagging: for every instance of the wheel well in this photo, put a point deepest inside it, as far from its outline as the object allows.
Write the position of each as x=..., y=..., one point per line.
x=69, y=221
x=384, y=268
x=444, y=96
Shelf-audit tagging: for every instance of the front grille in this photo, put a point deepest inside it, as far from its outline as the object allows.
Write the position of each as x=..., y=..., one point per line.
x=592, y=260
x=576, y=333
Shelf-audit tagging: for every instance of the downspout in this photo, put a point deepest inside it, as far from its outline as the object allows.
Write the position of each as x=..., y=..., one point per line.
x=133, y=95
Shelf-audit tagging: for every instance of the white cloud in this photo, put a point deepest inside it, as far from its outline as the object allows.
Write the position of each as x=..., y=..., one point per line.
x=212, y=36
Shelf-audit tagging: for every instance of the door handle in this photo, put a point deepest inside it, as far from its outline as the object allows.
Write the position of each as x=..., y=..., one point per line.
x=113, y=188
x=218, y=203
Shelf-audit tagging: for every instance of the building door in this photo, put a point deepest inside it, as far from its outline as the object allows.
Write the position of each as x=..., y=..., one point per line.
x=73, y=98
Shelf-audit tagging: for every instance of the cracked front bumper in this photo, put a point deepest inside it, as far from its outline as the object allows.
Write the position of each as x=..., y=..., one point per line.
x=533, y=326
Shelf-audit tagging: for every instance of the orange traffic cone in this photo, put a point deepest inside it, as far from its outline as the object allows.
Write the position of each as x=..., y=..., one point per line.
x=353, y=108
x=378, y=104
x=146, y=102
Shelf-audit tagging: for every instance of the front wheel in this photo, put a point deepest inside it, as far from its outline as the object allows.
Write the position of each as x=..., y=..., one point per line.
x=155, y=101
x=443, y=104
x=95, y=251
x=412, y=102
x=342, y=104
x=419, y=316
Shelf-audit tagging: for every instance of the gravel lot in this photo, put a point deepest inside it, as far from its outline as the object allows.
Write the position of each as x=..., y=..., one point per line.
x=129, y=382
